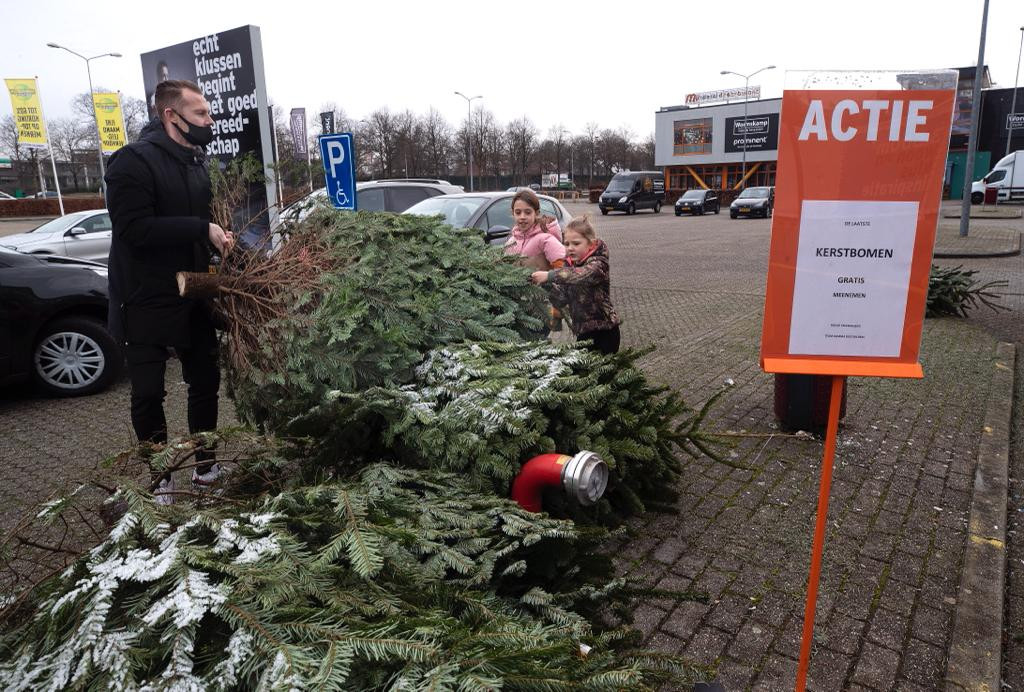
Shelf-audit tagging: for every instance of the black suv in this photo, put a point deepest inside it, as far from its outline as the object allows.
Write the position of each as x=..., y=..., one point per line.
x=53, y=316
x=697, y=202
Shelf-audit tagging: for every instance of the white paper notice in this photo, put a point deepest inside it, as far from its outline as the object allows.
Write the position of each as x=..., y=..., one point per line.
x=852, y=274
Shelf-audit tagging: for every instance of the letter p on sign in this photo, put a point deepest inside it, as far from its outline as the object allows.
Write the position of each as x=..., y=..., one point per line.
x=335, y=157
x=339, y=172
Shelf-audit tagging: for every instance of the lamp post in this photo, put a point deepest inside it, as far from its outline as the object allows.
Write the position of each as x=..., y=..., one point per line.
x=746, y=86
x=469, y=131
x=558, y=156
x=92, y=107
x=1013, y=104
x=972, y=136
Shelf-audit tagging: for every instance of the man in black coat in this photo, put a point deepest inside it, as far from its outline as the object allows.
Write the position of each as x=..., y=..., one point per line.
x=158, y=194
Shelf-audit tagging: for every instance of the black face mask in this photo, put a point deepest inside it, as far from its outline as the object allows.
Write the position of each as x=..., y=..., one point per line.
x=197, y=135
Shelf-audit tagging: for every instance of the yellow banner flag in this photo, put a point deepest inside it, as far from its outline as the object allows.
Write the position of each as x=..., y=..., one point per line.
x=109, y=120
x=28, y=112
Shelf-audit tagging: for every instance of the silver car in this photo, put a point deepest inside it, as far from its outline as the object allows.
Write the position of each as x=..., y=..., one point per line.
x=490, y=212
x=82, y=234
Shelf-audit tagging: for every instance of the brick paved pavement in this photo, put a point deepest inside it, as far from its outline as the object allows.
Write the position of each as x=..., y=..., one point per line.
x=901, y=490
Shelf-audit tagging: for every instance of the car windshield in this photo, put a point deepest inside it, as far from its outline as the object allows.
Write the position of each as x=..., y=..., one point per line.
x=620, y=185
x=694, y=194
x=754, y=193
x=457, y=211
x=59, y=224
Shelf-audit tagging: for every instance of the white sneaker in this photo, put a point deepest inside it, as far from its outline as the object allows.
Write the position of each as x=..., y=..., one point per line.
x=164, y=492
x=202, y=482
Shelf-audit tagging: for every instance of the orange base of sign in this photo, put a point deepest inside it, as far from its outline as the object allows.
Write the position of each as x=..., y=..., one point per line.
x=851, y=368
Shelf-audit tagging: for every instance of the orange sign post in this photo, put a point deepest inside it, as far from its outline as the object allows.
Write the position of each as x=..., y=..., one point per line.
x=861, y=163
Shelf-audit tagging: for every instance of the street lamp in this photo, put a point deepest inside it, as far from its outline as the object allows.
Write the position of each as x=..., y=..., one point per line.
x=558, y=155
x=92, y=106
x=1013, y=105
x=469, y=132
x=746, y=86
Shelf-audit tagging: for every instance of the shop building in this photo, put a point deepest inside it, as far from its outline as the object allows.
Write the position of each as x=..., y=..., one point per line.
x=703, y=146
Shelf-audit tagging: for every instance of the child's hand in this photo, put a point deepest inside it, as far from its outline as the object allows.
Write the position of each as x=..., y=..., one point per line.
x=538, y=277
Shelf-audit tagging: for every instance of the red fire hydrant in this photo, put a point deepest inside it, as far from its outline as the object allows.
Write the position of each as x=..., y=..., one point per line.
x=584, y=477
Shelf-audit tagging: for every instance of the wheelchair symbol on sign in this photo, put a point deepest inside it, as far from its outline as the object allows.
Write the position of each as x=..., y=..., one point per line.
x=341, y=198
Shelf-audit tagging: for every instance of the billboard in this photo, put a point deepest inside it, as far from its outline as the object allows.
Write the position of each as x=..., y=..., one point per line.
x=759, y=132
x=228, y=67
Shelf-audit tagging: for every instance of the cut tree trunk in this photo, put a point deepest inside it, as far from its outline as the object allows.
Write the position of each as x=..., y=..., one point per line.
x=198, y=285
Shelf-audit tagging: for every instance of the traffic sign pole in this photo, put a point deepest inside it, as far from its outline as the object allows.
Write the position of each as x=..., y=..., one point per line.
x=818, y=544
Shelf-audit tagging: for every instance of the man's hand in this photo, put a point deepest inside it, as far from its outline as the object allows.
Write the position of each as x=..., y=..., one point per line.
x=221, y=239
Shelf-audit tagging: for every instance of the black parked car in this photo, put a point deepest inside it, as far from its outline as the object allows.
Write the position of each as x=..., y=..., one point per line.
x=754, y=201
x=697, y=202
x=53, y=315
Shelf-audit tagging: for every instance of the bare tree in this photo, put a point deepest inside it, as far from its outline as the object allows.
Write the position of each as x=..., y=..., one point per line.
x=9, y=138
x=406, y=140
x=437, y=142
x=136, y=116
x=522, y=136
x=68, y=138
x=381, y=128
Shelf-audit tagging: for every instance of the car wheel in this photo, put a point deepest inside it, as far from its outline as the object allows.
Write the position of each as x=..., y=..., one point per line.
x=75, y=356
x=631, y=209
x=604, y=212
x=657, y=207
x=679, y=213
x=732, y=216
x=977, y=197
x=718, y=208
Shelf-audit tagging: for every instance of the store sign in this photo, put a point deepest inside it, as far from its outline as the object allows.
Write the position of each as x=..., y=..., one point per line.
x=1014, y=121
x=756, y=133
x=857, y=202
x=738, y=94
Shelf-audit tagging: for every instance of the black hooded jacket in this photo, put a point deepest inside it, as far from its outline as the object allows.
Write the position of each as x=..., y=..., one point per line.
x=158, y=194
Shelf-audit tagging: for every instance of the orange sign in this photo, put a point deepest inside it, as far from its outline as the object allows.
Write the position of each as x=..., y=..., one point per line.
x=858, y=189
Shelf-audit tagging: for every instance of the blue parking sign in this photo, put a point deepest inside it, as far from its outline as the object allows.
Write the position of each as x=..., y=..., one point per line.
x=337, y=154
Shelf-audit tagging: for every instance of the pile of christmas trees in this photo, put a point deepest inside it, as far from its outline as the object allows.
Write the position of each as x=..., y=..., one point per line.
x=376, y=548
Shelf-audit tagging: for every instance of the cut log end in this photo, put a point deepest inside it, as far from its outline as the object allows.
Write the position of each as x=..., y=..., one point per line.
x=198, y=285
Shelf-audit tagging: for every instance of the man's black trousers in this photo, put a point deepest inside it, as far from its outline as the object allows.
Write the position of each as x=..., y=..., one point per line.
x=200, y=370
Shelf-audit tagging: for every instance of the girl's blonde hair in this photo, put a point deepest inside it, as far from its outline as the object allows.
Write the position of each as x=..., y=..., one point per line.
x=582, y=225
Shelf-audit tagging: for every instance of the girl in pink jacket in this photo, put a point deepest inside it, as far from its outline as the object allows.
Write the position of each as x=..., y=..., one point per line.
x=536, y=239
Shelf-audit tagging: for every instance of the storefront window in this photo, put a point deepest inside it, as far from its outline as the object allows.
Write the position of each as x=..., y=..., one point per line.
x=692, y=137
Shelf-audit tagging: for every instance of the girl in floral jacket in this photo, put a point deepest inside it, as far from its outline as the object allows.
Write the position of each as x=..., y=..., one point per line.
x=582, y=288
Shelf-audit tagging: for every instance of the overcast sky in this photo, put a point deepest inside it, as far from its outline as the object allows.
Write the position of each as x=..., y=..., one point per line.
x=564, y=62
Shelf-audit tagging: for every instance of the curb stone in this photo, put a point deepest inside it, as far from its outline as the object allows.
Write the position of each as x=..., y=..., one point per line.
x=975, y=649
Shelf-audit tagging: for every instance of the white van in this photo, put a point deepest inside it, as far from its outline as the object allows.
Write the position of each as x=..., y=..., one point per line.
x=1007, y=176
